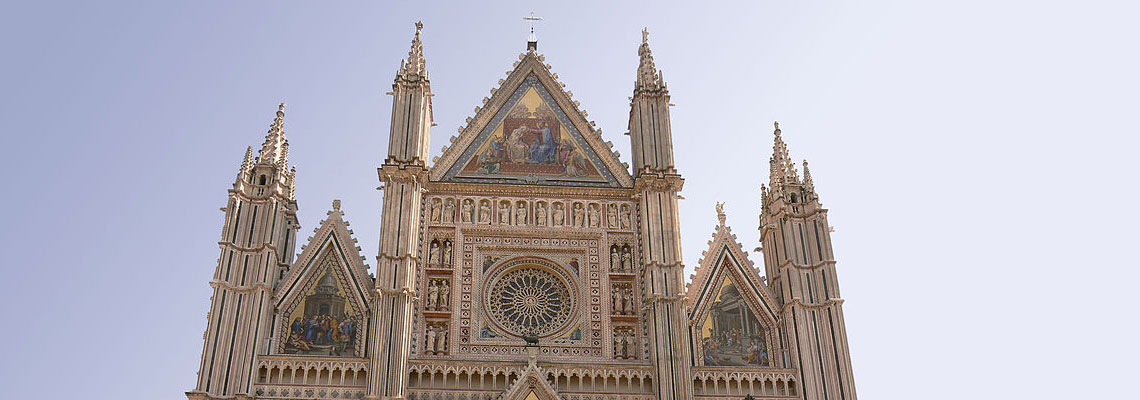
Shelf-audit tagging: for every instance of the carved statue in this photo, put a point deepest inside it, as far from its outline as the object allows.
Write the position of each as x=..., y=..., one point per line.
x=447, y=252
x=595, y=216
x=520, y=214
x=624, y=301
x=625, y=222
x=449, y=211
x=619, y=300
x=559, y=215
x=484, y=213
x=435, y=210
x=579, y=215
x=465, y=213
x=441, y=342
x=433, y=295
x=433, y=253
x=625, y=261
x=611, y=215
x=540, y=214
x=615, y=259
x=444, y=295
x=627, y=345
x=504, y=214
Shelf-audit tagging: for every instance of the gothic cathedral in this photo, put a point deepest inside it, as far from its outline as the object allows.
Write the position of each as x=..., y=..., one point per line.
x=526, y=262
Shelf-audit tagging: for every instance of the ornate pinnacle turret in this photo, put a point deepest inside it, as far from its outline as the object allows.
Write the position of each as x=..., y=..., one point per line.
x=782, y=170
x=809, y=186
x=246, y=162
x=271, y=150
x=415, y=65
x=648, y=76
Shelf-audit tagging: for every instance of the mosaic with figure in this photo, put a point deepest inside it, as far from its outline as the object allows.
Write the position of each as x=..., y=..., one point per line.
x=530, y=141
x=325, y=322
x=731, y=334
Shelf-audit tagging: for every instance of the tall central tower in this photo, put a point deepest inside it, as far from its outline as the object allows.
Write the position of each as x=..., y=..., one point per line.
x=403, y=175
x=656, y=184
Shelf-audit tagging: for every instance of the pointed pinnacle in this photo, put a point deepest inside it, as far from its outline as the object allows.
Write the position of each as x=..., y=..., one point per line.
x=270, y=149
x=648, y=77
x=415, y=64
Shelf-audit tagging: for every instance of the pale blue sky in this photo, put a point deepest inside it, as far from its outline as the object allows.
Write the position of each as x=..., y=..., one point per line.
x=977, y=158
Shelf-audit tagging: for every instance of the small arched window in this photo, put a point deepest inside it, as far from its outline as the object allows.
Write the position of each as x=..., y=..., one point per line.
x=261, y=180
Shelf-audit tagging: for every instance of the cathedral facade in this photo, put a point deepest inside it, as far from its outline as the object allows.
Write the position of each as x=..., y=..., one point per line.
x=526, y=262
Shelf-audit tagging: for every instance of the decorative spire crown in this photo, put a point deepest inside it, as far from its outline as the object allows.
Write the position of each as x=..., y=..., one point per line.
x=782, y=169
x=415, y=65
x=720, y=216
x=648, y=76
x=275, y=150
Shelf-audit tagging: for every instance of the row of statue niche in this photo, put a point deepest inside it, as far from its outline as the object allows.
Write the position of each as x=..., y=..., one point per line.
x=435, y=339
x=622, y=300
x=438, y=295
x=439, y=252
x=578, y=215
x=621, y=258
x=624, y=344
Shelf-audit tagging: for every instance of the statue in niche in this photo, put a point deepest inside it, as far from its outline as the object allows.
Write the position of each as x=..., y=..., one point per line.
x=520, y=214
x=622, y=350
x=441, y=341
x=504, y=213
x=444, y=295
x=540, y=214
x=433, y=253
x=432, y=295
x=559, y=214
x=447, y=252
x=485, y=212
x=466, y=212
x=611, y=215
x=626, y=263
x=429, y=344
x=618, y=300
x=627, y=344
x=449, y=211
x=615, y=259
x=436, y=210
x=595, y=216
x=579, y=216
x=625, y=219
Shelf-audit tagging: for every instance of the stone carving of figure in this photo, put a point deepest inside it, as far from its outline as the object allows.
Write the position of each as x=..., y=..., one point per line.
x=615, y=259
x=617, y=344
x=520, y=214
x=627, y=345
x=444, y=294
x=595, y=216
x=441, y=342
x=449, y=211
x=559, y=215
x=465, y=213
x=611, y=215
x=625, y=302
x=435, y=210
x=433, y=253
x=432, y=295
x=625, y=220
x=447, y=252
x=484, y=213
x=504, y=213
x=429, y=345
x=540, y=214
x=619, y=301
x=579, y=215
x=626, y=264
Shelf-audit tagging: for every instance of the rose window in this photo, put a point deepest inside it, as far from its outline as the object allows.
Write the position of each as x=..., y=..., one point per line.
x=530, y=301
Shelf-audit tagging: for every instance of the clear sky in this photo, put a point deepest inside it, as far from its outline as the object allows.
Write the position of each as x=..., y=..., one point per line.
x=977, y=158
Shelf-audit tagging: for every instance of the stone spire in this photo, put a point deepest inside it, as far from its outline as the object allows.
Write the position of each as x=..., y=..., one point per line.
x=415, y=66
x=275, y=148
x=809, y=186
x=781, y=168
x=648, y=76
x=246, y=163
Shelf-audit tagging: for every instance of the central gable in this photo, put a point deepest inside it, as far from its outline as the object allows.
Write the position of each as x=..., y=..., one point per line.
x=531, y=134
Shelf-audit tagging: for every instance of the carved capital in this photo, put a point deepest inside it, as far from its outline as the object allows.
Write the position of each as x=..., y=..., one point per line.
x=658, y=181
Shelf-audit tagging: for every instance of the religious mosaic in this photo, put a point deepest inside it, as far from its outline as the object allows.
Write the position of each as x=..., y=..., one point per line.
x=731, y=334
x=325, y=322
x=531, y=140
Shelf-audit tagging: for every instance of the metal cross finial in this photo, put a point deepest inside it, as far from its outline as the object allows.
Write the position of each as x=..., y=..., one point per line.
x=532, y=18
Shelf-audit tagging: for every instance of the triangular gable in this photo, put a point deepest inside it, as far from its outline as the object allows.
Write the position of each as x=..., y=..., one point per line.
x=531, y=132
x=733, y=314
x=323, y=303
x=532, y=385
